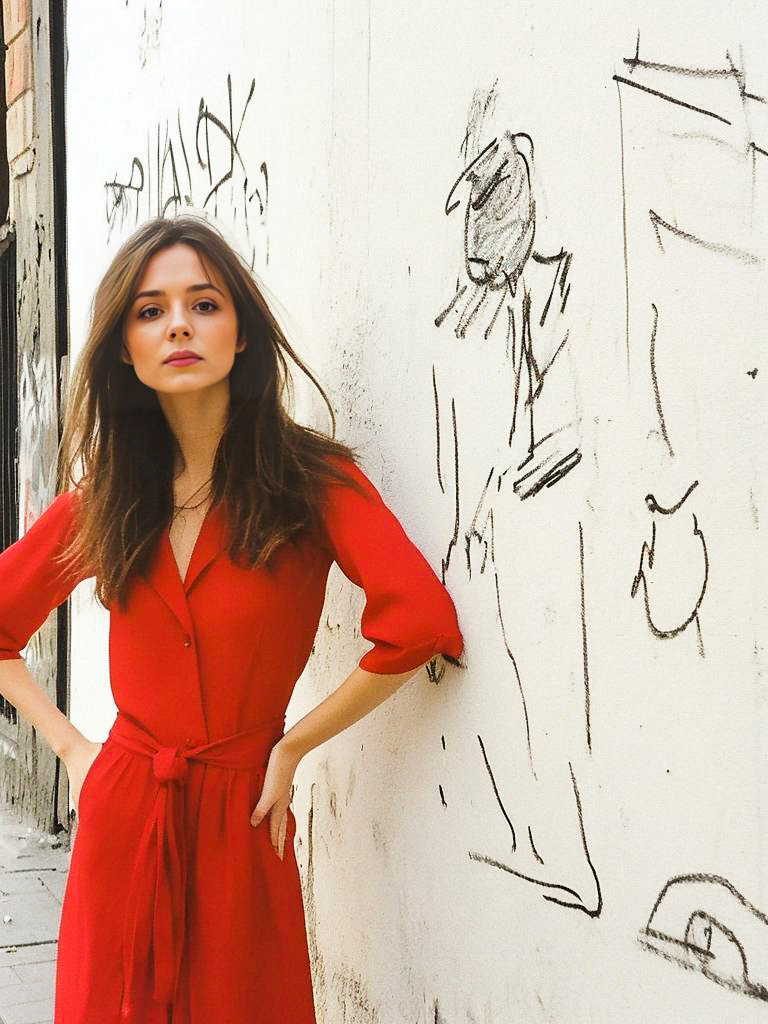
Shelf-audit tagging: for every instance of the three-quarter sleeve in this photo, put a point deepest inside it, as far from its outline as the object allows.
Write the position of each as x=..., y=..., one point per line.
x=32, y=583
x=408, y=616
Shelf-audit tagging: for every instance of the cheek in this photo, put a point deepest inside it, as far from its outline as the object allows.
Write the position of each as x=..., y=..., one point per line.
x=141, y=353
x=222, y=344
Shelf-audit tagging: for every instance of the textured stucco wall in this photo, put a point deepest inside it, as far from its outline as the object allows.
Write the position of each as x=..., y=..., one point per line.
x=28, y=774
x=525, y=249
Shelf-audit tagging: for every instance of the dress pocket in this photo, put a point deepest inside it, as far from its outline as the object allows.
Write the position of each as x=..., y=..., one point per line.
x=84, y=784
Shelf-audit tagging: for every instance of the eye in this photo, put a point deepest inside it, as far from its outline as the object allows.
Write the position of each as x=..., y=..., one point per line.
x=207, y=302
x=147, y=309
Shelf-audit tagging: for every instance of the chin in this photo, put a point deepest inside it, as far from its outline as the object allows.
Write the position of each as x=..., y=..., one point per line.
x=187, y=384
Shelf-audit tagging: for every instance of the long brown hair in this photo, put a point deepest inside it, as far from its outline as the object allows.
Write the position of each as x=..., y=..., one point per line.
x=268, y=469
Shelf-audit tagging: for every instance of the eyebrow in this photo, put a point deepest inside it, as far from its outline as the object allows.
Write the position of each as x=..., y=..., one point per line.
x=192, y=288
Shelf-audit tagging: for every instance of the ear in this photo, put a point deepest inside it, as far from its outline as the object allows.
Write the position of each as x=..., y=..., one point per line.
x=125, y=355
x=240, y=344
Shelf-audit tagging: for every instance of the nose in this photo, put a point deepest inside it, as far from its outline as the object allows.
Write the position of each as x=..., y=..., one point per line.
x=179, y=326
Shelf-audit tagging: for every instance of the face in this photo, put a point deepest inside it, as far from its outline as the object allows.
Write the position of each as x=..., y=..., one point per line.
x=177, y=309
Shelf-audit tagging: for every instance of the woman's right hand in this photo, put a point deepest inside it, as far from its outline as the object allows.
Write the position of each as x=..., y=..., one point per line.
x=78, y=761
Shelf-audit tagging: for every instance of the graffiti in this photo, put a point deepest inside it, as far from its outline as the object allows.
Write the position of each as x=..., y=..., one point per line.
x=509, y=308
x=703, y=923
x=198, y=162
x=673, y=604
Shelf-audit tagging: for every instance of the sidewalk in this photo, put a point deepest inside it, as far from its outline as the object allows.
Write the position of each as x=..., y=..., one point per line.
x=33, y=873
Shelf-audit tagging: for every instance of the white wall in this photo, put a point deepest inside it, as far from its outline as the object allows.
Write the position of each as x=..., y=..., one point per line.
x=491, y=847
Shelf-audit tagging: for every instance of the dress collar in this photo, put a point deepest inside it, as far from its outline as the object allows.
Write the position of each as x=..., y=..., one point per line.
x=163, y=572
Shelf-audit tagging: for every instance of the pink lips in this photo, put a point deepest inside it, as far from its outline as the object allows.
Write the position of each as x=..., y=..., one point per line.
x=183, y=358
x=183, y=361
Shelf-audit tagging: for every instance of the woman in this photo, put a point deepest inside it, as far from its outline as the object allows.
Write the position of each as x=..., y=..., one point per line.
x=209, y=519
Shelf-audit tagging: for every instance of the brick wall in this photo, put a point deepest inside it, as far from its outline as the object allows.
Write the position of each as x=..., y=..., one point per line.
x=19, y=91
x=28, y=780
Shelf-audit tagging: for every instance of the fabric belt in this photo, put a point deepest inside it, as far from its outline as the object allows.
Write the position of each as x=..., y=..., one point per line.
x=156, y=900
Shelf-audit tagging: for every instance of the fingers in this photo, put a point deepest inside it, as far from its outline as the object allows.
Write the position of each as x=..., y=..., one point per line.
x=278, y=827
x=283, y=830
x=277, y=832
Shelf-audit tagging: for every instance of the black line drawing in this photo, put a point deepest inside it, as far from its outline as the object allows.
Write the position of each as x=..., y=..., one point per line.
x=503, y=268
x=703, y=923
x=687, y=579
x=727, y=250
x=666, y=96
x=150, y=31
x=717, y=94
x=510, y=306
x=498, y=797
x=585, y=641
x=217, y=178
x=655, y=382
x=534, y=851
x=681, y=127
x=566, y=897
x=685, y=246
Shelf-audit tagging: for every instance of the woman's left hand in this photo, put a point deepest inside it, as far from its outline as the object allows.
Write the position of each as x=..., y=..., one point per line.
x=276, y=794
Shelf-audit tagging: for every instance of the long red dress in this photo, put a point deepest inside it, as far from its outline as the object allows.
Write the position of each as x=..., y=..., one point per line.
x=177, y=910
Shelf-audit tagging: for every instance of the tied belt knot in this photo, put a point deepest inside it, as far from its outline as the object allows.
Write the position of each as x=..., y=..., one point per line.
x=154, y=925
x=169, y=766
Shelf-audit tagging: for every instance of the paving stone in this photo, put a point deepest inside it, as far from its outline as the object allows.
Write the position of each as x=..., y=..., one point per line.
x=23, y=992
x=34, y=868
x=44, y=971
x=38, y=1012
x=20, y=881
x=27, y=846
x=32, y=860
x=34, y=917
x=33, y=953
x=8, y=976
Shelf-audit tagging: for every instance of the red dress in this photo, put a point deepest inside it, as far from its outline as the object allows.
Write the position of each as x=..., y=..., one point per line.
x=177, y=910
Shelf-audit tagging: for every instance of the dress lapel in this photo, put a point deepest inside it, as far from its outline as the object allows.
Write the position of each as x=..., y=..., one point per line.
x=163, y=573
x=210, y=542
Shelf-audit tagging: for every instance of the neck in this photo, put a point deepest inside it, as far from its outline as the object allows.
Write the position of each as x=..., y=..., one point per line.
x=197, y=419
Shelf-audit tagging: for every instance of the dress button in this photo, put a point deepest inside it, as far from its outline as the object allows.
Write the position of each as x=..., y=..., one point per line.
x=189, y=742
x=187, y=640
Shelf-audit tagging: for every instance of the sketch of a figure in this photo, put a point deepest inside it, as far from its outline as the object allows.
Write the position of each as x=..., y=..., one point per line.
x=703, y=922
x=504, y=271
x=692, y=167
x=508, y=443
